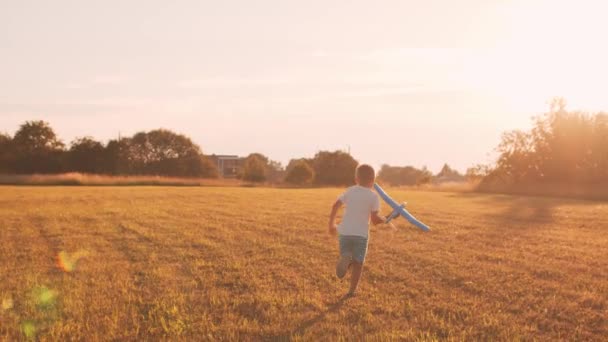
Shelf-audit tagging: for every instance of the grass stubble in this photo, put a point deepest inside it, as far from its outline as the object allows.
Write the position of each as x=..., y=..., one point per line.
x=133, y=263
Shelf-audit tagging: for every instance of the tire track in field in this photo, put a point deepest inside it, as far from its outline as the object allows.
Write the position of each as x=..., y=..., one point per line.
x=51, y=245
x=126, y=250
x=266, y=244
x=12, y=273
x=33, y=252
x=133, y=245
x=168, y=249
x=223, y=281
x=51, y=241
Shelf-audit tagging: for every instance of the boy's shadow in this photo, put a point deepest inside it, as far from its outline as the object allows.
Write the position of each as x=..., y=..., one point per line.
x=301, y=329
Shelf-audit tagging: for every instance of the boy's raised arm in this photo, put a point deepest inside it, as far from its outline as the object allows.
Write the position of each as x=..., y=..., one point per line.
x=332, y=217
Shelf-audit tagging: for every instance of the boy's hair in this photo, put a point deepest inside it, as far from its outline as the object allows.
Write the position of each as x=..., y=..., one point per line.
x=365, y=173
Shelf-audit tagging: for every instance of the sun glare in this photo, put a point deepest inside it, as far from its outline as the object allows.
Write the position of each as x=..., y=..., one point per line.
x=68, y=262
x=549, y=49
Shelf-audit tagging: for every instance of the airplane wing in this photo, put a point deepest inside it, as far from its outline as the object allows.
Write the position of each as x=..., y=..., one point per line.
x=413, y=220
x=400, y=209
x=386, y=197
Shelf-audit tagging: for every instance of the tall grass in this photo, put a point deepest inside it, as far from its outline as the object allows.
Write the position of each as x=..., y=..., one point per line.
x=74, y=178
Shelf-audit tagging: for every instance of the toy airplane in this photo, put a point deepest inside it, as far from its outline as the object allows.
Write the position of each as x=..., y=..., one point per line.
x=399, y=210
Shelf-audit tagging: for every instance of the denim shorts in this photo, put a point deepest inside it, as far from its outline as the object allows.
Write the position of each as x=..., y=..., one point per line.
x=353, y=245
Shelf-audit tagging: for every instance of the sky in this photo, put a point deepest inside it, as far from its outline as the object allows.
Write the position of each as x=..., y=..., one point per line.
x=418, y=83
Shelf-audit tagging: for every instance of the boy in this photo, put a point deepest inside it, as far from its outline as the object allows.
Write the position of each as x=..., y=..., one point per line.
x=361, y=205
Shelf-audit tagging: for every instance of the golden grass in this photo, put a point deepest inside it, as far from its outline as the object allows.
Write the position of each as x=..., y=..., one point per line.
x=192, y=263
x=75, y=178
x=573, y=190
x=444, y=187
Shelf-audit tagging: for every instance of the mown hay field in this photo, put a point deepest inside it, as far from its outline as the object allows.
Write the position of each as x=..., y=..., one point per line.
x=191, y=263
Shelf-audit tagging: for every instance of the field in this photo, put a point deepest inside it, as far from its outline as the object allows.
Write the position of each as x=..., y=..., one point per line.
x=75, y=178
x=192, y=263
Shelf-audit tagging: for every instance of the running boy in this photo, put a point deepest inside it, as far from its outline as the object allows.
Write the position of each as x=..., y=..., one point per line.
x=361, y=205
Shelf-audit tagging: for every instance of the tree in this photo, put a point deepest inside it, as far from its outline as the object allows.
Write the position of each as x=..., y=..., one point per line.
x=406, y=175
x=196, y=165
x=301, y=173
x=36, y=136
x=208, y=169
x=273, y=170
x=563, y=147
x=6, y=153
x=477, y=172
x=264, y=159
x=334, y=168
x=598, y=165
x=86, y=155
x=447, y=174
x=163, y=152
x=296, y=161
x=254, y=169
x=37, y=149
x=117, y=157
x=516, y=156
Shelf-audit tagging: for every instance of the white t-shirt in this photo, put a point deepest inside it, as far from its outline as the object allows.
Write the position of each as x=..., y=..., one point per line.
x=360, y=202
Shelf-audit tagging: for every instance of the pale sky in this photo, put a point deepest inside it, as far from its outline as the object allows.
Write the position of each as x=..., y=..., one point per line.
x=398, y=82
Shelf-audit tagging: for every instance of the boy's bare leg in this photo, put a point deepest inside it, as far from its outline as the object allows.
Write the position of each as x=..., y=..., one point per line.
x=343, y=265
x=355, y=276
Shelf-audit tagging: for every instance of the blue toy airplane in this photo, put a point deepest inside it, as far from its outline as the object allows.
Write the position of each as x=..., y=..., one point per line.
x=399, y=210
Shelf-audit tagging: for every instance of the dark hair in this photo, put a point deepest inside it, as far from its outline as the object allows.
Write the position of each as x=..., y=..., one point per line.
x=365, y=173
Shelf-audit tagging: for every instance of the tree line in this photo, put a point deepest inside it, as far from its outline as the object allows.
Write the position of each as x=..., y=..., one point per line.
x=563, y=147
x=337, y=168
x=36, y=149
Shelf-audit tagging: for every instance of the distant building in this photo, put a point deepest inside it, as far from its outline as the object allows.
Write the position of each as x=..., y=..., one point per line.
x=229, y=166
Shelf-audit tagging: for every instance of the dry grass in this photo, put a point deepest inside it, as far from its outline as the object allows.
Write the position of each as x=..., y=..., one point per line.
x=74, y=178
x=444, y=187
x=256, y=263
x=573, y=190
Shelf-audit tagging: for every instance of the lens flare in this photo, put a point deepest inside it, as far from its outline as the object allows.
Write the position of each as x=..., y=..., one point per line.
x=44, y=297
x=7, y=304
x=29, y=329
x=68, y=262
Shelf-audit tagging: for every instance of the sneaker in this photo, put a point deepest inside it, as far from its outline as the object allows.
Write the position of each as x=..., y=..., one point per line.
x=343, y=265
